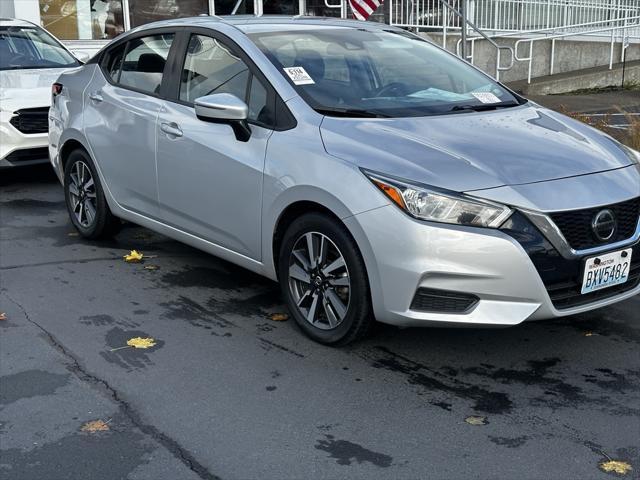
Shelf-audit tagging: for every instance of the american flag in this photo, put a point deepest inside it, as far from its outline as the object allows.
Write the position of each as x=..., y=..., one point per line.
x=362, y=9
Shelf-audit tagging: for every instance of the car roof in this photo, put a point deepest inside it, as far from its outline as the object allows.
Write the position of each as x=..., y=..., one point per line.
x=266, y=22
x=14, y=22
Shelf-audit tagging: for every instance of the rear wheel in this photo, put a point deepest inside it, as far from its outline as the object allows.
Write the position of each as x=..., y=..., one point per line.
x=85, y=199
x=324, y=280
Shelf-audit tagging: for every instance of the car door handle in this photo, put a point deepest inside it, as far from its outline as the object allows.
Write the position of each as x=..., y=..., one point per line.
x=171, y=129
x=95, y=97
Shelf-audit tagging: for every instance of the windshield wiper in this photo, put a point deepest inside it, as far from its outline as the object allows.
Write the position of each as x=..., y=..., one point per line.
x=349, y=112
x=483, y=107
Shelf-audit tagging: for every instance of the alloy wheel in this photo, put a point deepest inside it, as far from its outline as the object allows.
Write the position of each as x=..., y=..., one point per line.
x=319, y=280
x=82, y=193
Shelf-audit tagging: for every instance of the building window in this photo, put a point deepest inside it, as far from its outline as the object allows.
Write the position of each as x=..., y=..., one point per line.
x=82, y=19
x=145, y=11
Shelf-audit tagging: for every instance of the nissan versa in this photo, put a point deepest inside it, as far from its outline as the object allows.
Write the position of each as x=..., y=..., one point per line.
x=371, y=173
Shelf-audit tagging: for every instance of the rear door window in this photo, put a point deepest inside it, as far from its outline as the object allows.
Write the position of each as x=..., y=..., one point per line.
x=144, y=63
x=112, y=62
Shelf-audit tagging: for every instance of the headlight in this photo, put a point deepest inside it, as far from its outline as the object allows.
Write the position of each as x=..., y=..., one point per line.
x=437, y=206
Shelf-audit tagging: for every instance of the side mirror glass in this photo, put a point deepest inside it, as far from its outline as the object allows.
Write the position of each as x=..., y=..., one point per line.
x=224, y=108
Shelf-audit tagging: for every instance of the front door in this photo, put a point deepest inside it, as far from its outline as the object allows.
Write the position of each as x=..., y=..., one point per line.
x=209, y=182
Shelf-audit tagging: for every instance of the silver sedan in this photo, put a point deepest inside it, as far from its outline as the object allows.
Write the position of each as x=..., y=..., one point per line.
x=370, y=172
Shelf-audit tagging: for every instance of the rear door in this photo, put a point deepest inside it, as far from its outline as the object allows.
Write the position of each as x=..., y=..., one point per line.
x=210, y=183
x=121, y=109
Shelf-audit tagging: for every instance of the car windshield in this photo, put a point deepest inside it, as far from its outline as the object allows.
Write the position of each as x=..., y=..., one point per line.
x=378, y=73
x=31, y=47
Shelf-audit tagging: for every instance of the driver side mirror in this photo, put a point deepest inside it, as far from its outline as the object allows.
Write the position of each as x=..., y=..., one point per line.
x=225, y=108
x=82, y=57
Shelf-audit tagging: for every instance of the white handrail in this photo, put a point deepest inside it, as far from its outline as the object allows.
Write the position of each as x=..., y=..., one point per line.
x=553, y=38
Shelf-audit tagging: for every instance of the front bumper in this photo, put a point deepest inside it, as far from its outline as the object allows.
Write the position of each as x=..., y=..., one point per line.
x=403, y=255
x=20, y=149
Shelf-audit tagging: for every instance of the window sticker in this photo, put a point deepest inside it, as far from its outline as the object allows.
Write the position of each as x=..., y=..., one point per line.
x=299, y=76
x=486, y=97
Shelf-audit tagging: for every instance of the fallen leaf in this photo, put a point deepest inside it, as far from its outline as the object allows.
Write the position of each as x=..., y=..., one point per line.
x=139, y=342
x=476, y=420
x=95, y=426
x=72, y=234
x=151, y=267
x=133, y=257
x=3, y=316
x=590, y=334
x=279, y=317
x=615, y=466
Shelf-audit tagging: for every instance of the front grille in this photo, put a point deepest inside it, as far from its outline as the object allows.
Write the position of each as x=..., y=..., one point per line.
x=28, y=154
x=31, y=120
x=562, y=278
x=575, y=225
x=442, y=301
x=567, y=294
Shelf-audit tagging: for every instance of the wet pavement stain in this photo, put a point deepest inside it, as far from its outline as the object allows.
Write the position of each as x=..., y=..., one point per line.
x=107, y=455
x=184, y=308
x=28, y=384
x=129, y=358
x=345, y=452
x=537, y=374
x=103, y=320
x=268, y=345
x=32, y=205
x=225, y=277
x=255, y=305
x=509, y=442
x=487, y=401
x=613, y=381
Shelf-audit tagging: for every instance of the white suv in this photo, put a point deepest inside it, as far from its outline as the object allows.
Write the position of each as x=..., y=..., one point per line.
x=30, y=62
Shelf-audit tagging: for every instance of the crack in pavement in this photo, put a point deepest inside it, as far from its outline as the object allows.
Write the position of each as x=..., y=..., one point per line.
x=78, y=370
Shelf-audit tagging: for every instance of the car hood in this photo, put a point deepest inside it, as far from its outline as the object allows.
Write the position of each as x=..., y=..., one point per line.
x=27, y=88
x=475, y=150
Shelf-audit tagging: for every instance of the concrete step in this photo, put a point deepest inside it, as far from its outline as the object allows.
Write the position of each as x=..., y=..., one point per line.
x=595, y=77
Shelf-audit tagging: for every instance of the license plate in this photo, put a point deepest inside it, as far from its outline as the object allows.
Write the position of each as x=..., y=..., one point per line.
x=606, y=270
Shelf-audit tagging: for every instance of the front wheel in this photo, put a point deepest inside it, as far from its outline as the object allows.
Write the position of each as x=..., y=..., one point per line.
x=324, y=280
x=86, y=203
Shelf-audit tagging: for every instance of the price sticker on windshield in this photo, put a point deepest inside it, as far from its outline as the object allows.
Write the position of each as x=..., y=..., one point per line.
x=486, y=97
x=299, y=76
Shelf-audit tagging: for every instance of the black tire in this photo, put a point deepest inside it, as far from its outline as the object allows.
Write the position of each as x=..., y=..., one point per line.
x=357, y=320
x=101, y=224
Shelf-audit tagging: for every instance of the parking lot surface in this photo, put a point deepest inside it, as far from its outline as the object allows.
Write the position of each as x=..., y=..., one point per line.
x=227, y=392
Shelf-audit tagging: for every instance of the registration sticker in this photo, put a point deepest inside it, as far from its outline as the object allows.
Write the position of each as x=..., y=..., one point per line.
x=606, y=270
x=299, y=76
x=486, y=97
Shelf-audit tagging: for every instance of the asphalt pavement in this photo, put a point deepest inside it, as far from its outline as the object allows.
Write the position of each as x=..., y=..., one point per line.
x=227, y=392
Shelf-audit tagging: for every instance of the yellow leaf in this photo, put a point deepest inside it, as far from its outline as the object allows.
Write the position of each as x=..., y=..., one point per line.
x=476, y=420
x=133, y=257
x=72, y=234
x=151, y=267
x=3, y=316
x=615, y=466
x=279, y=317
x=139, y=342
x=95, y=426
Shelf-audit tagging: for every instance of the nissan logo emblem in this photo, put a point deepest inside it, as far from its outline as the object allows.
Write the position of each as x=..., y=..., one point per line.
x=604, y=225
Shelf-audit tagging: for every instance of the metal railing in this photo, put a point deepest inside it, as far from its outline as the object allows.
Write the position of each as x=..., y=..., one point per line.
x=617, y=30
x=503, y=16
